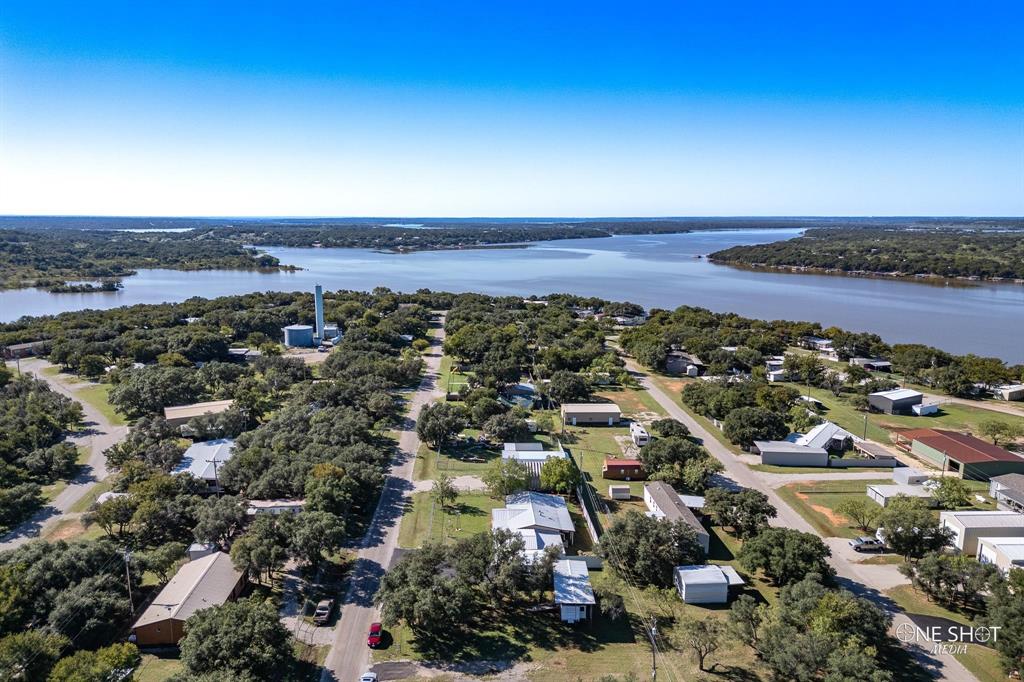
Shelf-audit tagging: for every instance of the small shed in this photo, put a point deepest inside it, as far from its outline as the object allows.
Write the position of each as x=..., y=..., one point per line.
x=705, y=584
x=925, y=409
x=591, y=413
x=619, y=492
x=573, y=594
x=896, y=401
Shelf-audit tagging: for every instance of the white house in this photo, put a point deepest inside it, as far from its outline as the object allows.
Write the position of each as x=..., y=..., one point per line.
x=541, y=520
x=573, y=594
x=202, y=460
x=665, y=503
x=968, y=526
x=827, y=436
x=705, y=584
x=1008, y=491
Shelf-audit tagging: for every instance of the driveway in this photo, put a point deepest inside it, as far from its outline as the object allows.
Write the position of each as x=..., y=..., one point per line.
x=349, y=655
x=868, y=581
x=97, y=434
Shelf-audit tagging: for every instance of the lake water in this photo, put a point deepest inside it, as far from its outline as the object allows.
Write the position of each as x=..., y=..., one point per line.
x=652, y=270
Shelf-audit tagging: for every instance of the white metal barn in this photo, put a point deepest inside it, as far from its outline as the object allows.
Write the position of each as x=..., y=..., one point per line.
x=705, y=584
x=573, y=594
x=909, y=476
x=883, y=494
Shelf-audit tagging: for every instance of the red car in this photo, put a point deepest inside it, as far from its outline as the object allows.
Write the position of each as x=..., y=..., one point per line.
x=376, y=636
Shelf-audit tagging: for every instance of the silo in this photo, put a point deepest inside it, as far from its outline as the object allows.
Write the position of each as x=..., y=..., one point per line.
x=298, y=335
x=318, y=305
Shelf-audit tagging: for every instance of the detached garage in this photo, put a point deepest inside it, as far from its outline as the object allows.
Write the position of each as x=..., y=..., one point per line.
x=706, y=584
x=607, y=414
x=785, y=454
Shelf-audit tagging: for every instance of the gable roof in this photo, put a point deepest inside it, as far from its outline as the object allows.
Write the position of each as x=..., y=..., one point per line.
x=572, y=582
x=534, y=510
x=899, y=394
x=1011, y=481
x=197, y=409
x=202, y=459
x=197, y=585
x=962, y=447
x=823, y=434
x=671, y=505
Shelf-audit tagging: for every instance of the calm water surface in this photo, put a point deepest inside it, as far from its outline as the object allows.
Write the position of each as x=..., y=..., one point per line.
x=653, y=270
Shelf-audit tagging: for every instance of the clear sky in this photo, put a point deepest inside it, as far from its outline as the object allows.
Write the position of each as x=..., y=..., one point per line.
x=512, y=109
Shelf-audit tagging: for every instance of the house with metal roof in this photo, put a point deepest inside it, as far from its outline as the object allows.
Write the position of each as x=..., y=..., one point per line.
x=574, y=595
x=541, y=520
x=972, y=457
x=827, y=436
x=202, y=460
x=200, y=584
x=664, y=503
x=591, y=413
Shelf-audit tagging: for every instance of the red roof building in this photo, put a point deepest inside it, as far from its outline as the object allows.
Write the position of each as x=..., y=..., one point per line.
x=623, y=469
x=961, y=452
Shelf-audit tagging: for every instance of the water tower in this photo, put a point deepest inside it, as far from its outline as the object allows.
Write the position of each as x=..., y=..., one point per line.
x=318, y=304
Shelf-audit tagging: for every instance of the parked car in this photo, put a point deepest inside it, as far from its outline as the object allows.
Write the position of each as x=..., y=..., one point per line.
x=867, y=544
x=368, y=677
x=376, y=635
x=323, y=611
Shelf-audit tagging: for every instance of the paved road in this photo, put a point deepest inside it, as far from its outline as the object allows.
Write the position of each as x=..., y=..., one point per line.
x=869, y=581
x=349, y=655
x=97, y=434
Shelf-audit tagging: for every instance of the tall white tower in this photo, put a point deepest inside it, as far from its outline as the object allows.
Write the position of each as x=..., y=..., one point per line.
x=318, y=303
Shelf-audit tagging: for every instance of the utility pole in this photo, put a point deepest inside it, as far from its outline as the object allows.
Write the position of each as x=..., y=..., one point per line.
x=865, y=427
x=128, y=577
x=652, y=634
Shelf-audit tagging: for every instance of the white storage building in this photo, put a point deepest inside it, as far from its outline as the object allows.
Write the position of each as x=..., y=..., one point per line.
x=883, y=494
x=968, y=526
x=1003, y=553
x=705, y=584
x=786, y=454
x=573, y=594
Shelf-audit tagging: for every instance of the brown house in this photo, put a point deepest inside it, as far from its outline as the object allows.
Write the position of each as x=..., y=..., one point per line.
x=623, y=469
x=200, y=584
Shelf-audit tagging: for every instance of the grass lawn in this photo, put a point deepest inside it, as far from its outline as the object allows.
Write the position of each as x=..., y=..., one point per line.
x=816, y=501
x=589, y=446
x=635, y=403
x=96, y=395
x=423, y=520
x=559, y=652
x=89, y=498
x=449, y=380
x=157, y=668
x=980, y=660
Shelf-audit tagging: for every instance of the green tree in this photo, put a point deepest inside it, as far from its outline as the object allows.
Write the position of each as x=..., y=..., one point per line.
x=861, y=511
x=703, y=637
x=29, y=655
x=506, y=427
x=243, y=638
x=559, y=475
x=785, y=555
x=952, y=493
x=115, y=515
x=219, y=518
x=439, y=422
x=163, y=559
x=425, y=592
x=911, y=529
x=1005, y=609
x=314, y=534
x=746, y=424
x=670, y=427
x=745, y=511
x=567, y=387
x=951, y=579
x=263, y=549
x=101, y=665
x=506, y=476
x=998, y=430
x=443, y=491
x=92, y=611
x=646, y=550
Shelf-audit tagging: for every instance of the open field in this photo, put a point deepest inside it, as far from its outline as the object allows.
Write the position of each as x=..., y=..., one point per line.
x=156, y=668
x=424, y=520
x=816, y=501
x=95, y=394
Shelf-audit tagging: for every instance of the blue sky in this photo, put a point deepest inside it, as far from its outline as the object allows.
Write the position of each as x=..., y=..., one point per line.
x=512, y=109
